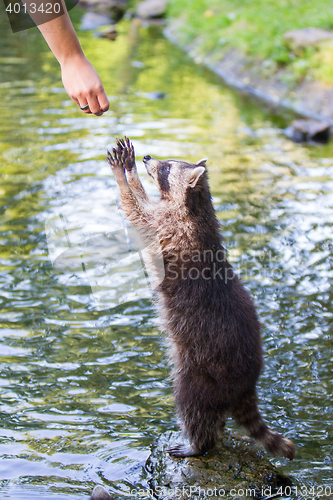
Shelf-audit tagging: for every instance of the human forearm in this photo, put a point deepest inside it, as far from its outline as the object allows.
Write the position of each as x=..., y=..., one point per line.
x=61, y=38
x=80, y=79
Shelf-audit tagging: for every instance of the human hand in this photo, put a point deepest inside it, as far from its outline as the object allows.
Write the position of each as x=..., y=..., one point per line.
x=83, y=85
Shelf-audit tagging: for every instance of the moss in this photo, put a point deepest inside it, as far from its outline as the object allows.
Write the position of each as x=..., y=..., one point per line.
x=256, y=27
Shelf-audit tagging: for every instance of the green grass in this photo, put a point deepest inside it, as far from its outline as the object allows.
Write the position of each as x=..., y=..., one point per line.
x=256, y=27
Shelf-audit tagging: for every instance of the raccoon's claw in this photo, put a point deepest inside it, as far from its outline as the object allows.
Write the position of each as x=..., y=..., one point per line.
x=109, y=158
x=114, y=160
x=121, y=144
x=126, y=152
x=182, y=450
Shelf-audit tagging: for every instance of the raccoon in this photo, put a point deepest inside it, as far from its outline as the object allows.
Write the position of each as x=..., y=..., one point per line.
x=205, y=311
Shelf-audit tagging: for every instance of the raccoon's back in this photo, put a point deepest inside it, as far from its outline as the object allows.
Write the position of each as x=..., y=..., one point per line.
x=212, y=323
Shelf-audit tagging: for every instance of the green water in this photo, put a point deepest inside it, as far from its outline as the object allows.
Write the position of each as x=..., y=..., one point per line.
x=84, y=390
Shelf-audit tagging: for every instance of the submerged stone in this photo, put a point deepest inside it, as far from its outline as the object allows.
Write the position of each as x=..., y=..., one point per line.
x=308, y=131
x=100, y=493
x=155, y=95
x=109, y=32
x=234, y=468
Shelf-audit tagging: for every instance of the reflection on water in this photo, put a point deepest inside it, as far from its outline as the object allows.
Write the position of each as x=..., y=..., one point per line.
x=84, y=390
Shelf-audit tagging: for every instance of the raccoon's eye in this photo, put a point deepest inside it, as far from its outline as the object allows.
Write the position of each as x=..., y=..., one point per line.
x=166, y=169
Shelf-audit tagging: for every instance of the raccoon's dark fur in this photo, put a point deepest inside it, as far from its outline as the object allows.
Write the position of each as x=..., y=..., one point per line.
x=207, y=314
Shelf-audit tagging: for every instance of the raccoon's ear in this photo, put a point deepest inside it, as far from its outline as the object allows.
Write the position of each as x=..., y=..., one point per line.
x=202, y=162
x=195, y=176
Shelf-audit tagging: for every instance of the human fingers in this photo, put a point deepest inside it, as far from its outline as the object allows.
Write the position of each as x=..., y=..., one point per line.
x=78, y=103
x=94, y=105
x=84, y=106
x=103, y=100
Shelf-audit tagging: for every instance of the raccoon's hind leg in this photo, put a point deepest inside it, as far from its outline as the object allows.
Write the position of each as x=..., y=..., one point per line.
x=247, y=415
x=201, y=430
x=200, y=410
x=182, y=451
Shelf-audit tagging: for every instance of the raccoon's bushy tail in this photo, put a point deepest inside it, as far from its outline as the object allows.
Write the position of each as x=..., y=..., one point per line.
x=247, y=415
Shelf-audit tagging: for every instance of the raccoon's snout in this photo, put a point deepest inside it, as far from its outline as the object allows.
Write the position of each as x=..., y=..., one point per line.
x=146, y=158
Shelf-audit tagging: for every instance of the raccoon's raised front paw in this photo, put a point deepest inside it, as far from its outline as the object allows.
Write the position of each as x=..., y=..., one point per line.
x=182, y=450
x=115, y=162
x=126, y=149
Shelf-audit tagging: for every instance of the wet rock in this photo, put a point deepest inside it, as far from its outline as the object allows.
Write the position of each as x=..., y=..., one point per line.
x=93, y=20
x=308, y=131
x=151, y=9
x=100, y=493
x=109, y=32
x=113, y=8
x=299, y=39
x=235, y=466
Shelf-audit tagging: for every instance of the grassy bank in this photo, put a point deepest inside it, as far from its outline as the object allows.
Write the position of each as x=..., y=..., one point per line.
x=256, y=28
